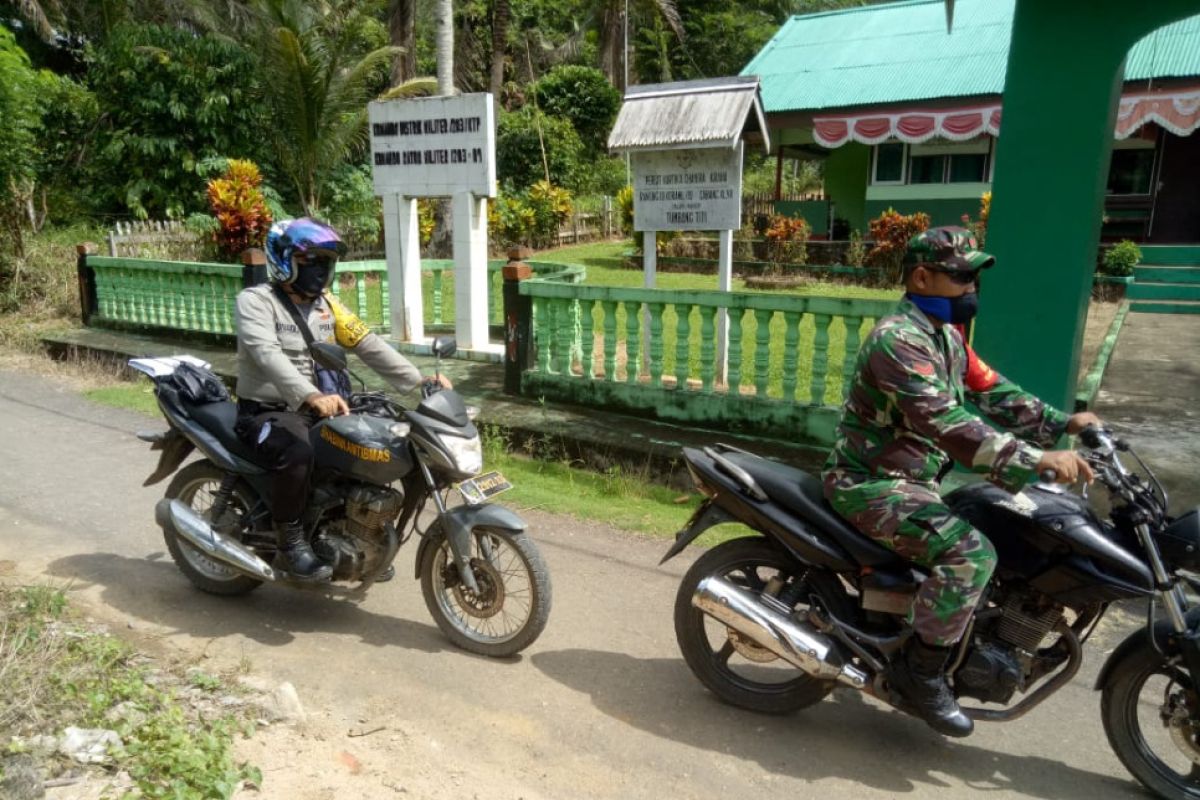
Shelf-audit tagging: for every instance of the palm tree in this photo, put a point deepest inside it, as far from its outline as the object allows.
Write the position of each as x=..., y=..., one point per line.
x=610, y=24
x=402, y=26
x=318, y=88
x=501, y=17
x=445, y=46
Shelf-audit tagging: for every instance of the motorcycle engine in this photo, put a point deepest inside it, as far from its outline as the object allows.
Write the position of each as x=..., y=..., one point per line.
x=997, y=665
x=991, y=673
x=361, y=541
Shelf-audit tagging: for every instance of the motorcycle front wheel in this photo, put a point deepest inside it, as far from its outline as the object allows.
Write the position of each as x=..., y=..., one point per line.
x=1151, y=715
x=512, y=605
x=734, y=668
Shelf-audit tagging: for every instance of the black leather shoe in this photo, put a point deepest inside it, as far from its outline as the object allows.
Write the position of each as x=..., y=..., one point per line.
x=296, y=556
x=921, y=681
x=387, y=575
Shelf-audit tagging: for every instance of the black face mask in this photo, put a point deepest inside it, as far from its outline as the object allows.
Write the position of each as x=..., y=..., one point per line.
x=312, y=280
x=955, y=310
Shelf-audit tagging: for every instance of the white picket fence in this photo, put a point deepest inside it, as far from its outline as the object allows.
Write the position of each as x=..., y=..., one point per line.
x=156, y=238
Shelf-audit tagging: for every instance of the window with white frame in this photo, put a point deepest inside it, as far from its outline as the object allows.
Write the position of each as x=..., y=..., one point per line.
x=932, y=162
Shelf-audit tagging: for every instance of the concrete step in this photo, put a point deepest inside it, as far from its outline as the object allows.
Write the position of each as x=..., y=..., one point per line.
x=1171, y=254
x=1151, y=273
x=1163, y=291
x=1176, y=307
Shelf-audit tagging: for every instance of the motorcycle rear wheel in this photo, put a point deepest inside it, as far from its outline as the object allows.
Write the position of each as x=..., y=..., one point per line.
x=756, y=680
x=196, y=485
x=1152, y=725
x=513, y=603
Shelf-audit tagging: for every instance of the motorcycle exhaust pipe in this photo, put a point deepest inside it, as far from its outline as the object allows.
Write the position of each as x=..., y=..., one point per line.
x=795, y=642
x=192, y=527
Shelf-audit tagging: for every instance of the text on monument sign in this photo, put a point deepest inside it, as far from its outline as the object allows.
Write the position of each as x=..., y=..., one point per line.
x=434, y=146
x=681, y=190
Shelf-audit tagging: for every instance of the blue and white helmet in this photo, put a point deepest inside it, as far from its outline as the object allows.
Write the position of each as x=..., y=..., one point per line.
x=290, y=236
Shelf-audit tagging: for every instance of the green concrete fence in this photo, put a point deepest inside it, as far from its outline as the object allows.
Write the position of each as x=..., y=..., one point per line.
x=653, y=351
x=199, y=297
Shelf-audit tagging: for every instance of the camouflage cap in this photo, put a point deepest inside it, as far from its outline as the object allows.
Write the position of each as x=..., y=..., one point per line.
x=951, y=247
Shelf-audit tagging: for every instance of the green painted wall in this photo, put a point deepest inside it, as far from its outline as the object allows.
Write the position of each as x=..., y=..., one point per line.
x=941, y=212
x=815, y=212
x=846, y=173
x=1065, y=64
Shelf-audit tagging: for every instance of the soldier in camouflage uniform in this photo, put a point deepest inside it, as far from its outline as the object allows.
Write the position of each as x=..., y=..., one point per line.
x=905, y=422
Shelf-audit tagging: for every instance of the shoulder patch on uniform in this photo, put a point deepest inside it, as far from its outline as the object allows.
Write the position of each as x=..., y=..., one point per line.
x=348, y=329
x=980, y=377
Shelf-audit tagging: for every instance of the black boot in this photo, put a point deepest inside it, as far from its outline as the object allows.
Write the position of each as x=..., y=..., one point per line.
x=921, y=681
x=295, y=554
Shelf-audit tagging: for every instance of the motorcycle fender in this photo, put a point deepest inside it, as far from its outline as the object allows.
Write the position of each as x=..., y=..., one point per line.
x=457, y=523
x=706, y=516
x=175, y=448
x=1164, y=636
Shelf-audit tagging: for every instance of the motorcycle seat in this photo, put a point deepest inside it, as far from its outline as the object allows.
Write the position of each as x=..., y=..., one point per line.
x=218, y=419
x=804, y=496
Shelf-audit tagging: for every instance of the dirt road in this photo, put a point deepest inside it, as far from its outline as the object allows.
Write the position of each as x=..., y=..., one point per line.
x=602, y=706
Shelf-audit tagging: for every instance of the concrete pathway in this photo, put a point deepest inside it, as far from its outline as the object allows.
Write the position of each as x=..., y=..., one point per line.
x=1151, y=396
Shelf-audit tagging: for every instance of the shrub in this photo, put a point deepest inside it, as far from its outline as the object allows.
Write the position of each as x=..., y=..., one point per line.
x=241, y=210
x=856, y=253
x=519, y=149
x=351, y=206
x=585, y=97
x=787, y=240
x=891, y=232
x=531, y=217
x=1121, y=258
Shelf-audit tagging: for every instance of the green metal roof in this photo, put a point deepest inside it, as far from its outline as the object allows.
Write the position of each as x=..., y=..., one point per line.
x=900, y=51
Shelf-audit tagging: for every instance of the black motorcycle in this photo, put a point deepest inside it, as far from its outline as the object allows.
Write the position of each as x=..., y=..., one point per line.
x=482, y=576
x=772, y=622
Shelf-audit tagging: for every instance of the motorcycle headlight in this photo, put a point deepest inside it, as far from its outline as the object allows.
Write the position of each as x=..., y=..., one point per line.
x=467, y=453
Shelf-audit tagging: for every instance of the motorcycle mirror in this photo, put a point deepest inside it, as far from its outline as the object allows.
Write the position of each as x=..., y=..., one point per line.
x=329, y=356
x=444, y=346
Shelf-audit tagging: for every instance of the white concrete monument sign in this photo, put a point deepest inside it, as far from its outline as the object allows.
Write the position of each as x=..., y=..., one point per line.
x=688, y=190
x=436, y=147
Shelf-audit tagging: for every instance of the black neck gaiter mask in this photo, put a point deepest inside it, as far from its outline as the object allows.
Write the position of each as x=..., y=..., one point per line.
x=311, y=281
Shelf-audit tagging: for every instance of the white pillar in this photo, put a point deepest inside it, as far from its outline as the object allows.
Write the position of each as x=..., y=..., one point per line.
x=649, y=277
x=724, y=284
x=470, y=271
x=402, y=241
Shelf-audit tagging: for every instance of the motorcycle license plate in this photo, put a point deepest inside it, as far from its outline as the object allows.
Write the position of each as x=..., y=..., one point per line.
x=481, y=487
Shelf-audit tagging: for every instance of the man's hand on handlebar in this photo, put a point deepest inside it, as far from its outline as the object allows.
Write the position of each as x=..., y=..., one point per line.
x=1083, y=419
x=327, y=405
x=1067, y=466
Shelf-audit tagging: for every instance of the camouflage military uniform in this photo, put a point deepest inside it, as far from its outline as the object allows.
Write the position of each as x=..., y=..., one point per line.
x=903, y=423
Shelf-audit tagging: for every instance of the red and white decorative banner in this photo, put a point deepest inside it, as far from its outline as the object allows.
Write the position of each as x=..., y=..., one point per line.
x=1178, y=111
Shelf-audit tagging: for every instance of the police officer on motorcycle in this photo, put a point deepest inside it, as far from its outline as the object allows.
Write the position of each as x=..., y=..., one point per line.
x=281, y=391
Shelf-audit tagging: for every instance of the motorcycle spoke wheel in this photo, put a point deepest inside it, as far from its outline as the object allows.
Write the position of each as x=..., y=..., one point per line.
x=1152, y=717
x=732, y=666
x=512, y=602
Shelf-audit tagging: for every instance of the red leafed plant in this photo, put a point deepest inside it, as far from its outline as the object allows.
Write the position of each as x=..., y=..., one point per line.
x=787, y=239
x=240, y=208
x=891, y=231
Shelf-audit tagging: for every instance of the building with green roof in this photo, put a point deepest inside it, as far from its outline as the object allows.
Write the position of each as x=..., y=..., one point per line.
x=905, y=114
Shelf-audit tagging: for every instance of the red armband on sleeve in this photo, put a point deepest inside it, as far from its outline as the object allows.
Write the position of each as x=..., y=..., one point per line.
x=980, y=377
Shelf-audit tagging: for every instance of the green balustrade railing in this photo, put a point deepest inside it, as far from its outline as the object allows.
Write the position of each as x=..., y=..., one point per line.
x=186, y=296
x=200, y=297
x=790, y=358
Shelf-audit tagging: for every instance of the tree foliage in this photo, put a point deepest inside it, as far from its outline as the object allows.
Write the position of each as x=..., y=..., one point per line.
x=320, y=82
x=519, y=149
x=585, y=97
x=170, y=100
